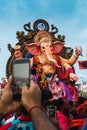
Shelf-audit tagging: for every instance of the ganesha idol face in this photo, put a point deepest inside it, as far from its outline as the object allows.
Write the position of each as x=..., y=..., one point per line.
x=46, y=50
x=45, y=46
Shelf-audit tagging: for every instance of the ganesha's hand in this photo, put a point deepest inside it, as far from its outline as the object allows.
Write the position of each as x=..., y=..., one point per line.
x=78, y=51
x=73, y=77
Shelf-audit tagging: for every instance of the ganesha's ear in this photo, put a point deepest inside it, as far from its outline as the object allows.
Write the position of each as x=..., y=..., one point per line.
x=57, y=47
x=32, y=48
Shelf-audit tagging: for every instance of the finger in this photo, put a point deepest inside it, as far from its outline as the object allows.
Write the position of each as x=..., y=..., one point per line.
x=7, y=86
x=32, y=77
x=24, y=89
x=33, y=82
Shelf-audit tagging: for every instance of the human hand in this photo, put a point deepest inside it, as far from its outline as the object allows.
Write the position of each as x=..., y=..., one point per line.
x=7, y=93
x=31, y=95
x=73, y=77
x=78, y=51
x=7, y=105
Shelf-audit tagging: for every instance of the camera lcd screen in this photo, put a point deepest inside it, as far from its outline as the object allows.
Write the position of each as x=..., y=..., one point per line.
x=21, y=70
x=21, y=76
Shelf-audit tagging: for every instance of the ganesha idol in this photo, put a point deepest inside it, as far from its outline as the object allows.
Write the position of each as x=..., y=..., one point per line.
x=46, y=63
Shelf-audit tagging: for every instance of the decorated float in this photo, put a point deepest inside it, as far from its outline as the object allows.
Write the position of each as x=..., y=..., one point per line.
x=51, y=61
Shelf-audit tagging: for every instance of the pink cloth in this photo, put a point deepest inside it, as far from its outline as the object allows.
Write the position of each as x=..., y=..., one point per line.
x=58, y=91
x=63, y=121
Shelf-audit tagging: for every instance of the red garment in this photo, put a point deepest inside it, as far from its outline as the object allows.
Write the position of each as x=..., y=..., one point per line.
x=5, y=126
x=9, y=116
x=21, y=118
x=24, y=118
x=73, y=92
x=63, y=121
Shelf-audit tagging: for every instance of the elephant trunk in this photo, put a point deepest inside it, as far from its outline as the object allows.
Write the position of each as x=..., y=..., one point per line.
x=50, y=56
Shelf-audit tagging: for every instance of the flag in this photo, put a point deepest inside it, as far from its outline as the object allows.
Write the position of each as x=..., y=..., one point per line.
x=82, y=64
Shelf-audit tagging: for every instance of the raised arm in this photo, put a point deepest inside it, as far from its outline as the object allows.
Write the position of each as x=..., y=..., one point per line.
x=73, y=77
x=72, y=60
x=31, y=99
x=7, y=105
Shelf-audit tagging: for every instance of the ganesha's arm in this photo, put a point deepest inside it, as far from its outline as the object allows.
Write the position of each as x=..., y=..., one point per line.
x=66, y=66
x=70, y=71
x=71, y=60
x=74, y=57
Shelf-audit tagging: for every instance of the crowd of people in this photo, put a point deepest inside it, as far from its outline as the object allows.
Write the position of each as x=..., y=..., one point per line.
x=31, y=111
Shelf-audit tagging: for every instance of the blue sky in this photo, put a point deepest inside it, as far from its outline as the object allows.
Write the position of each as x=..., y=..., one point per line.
x=70, y=16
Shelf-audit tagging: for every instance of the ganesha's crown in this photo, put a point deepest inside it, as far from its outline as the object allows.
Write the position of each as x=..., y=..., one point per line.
x=42, y=36
x=40, y=29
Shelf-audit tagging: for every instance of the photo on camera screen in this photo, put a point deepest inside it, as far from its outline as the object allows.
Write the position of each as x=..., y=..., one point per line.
x=21, y=72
